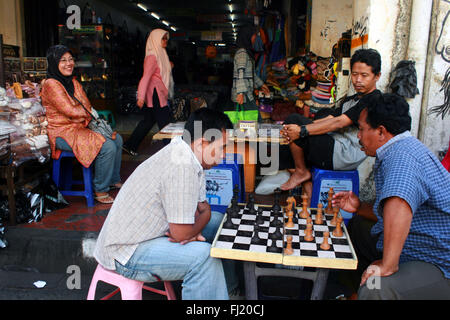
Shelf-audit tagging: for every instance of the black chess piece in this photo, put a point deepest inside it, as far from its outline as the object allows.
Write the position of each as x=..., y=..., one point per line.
x=276, y=205
x=251, y=202
x=278, y=234
x=228, y=222
x=273, y=246
x=256, y=239
x=259, y=217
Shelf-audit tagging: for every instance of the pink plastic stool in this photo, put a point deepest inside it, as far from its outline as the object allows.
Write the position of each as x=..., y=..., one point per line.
x=129, y=289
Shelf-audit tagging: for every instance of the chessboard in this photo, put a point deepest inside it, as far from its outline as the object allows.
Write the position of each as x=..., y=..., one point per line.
x=284, y=235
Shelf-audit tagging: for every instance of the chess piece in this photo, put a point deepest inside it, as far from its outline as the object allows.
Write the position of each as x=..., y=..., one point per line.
x=309, y=221
x=277, y=235
x=273, y=246
x=338, y=231
x=325, y=245
x=228, y=222
x=256, y=239
x=335, y=214
x=290, y=223
x=259, y=217
x=329, y=208
x=291, y=203
x=251, y=203
x=304, y=213
x=288, y=250
x=319, y=214
x=276, y=205
x=309, y=233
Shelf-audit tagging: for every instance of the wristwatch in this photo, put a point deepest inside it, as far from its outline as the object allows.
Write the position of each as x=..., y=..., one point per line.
x=303, y=131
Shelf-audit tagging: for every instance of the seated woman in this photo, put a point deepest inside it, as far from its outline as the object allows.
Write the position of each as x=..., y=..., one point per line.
x=67, y=124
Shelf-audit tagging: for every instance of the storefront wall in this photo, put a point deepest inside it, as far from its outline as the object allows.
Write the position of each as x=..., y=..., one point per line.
x=11, y=22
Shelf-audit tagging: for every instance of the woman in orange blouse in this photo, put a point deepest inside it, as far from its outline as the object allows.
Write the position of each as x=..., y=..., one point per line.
x=68, y=121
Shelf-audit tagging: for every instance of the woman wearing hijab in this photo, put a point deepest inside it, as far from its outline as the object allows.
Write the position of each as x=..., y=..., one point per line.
x=62, y=96
x=155, y=88
x=245, y=79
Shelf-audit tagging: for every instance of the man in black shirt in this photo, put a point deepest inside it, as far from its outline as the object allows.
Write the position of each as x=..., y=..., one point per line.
x=330, y=142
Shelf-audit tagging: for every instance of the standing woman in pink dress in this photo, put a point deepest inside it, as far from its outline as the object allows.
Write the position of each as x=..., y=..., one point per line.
x=155, y=88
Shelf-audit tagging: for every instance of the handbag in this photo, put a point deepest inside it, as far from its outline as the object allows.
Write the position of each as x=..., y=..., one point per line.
x=98, y=124
x=239, y=115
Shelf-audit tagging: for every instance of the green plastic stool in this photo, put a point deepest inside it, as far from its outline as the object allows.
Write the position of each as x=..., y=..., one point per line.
x=108, y=116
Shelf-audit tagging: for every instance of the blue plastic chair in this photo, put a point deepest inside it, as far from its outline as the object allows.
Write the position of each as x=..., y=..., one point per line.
x=62, y=176
x=338, y=180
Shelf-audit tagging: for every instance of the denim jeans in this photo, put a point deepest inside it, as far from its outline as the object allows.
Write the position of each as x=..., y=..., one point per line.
x=203, y=276
x=107, y=163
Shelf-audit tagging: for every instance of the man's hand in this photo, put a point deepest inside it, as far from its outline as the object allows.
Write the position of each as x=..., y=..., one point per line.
x=240, y=98
x=378, y=269
x=346, y=200
x=265, y=89
x=291, y=132
x=198, y=237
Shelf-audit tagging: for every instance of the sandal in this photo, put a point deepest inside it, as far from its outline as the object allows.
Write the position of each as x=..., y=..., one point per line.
x=129, y=151
x=117, y=185
x=105, y=198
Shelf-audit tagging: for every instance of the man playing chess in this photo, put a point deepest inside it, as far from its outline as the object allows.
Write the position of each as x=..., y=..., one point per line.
x=403, y=240
x=160, y=223
x=329, y=142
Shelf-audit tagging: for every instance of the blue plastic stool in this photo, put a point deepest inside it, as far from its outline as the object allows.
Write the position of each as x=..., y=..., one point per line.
x=323, y=180
x=62, y=176
x=227, y=174
x=108, y=116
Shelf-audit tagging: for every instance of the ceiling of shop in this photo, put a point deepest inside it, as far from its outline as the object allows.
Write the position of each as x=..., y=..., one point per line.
x=189, y=18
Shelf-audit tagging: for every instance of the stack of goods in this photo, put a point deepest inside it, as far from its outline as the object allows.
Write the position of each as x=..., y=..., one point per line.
x=305, y=80
x=29, y=139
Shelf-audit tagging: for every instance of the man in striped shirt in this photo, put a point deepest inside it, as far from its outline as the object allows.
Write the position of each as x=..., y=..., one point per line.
x=404, y=252
x=160, y=224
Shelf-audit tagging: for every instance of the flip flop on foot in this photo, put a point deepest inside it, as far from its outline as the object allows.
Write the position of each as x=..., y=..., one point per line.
x=129, y=151
x=104, y=198
x=117, y=185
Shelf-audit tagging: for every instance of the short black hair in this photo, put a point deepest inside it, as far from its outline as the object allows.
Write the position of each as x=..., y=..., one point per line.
x=371, y=57
x=389, y=110
x=210, y=119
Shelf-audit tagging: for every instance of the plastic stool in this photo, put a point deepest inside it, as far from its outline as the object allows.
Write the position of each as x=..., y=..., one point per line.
x=64, y=181
x=108, y=116
x=323, y=180
x=129, y=289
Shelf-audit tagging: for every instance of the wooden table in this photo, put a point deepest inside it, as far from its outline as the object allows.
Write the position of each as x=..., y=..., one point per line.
x=244, y=145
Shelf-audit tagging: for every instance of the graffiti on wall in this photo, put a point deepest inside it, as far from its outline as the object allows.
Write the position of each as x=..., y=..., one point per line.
x=443, y=49
x=360, y=35
x=327, y=28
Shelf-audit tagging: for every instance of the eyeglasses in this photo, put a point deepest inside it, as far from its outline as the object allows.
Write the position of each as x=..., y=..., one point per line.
x=65, y=61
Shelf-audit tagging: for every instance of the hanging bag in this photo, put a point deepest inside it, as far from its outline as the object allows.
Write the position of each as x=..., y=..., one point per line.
x=98, y=124
x=239, y=114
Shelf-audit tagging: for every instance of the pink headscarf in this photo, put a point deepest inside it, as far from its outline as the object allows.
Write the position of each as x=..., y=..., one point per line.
x=154, y=47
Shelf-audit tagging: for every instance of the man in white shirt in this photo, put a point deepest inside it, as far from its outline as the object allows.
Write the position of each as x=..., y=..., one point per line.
x=161, y=224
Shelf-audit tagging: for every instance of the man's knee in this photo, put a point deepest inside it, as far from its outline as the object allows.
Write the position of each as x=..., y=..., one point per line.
x=379, y=288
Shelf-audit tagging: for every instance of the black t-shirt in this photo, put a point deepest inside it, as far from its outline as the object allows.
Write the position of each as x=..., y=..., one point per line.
x=354, y=112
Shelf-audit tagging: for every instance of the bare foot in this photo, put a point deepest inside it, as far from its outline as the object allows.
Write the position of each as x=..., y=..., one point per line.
x=297, y=178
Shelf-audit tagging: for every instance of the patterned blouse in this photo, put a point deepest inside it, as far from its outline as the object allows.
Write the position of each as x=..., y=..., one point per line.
x=67, y=119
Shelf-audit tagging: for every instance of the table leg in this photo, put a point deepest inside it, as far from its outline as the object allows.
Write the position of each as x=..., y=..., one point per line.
x=248, y=152
x=320, y=284
x=251, y=282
